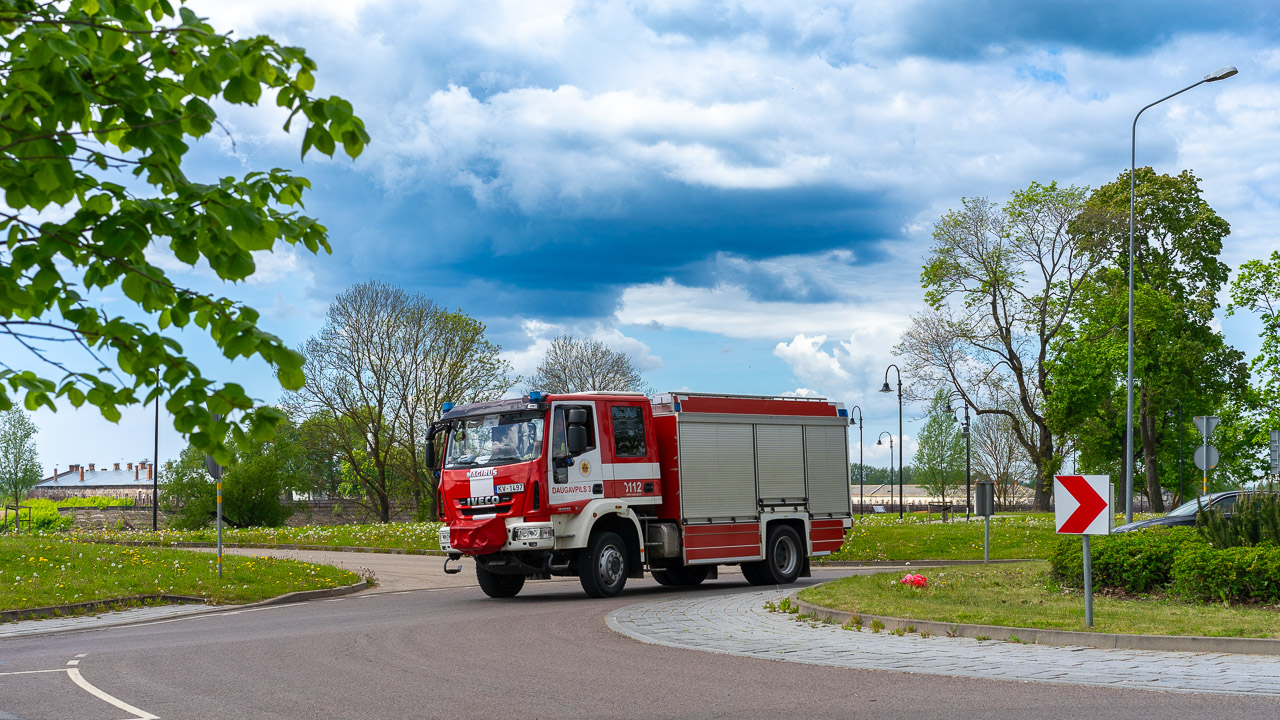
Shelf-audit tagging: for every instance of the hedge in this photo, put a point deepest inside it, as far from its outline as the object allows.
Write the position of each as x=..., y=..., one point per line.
x=1237, y=574
x=1137, y=562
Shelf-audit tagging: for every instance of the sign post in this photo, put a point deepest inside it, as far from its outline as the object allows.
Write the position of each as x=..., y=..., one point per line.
x=986, y=507
x=1206, y=455
x=1082, y=506
x=215, y=472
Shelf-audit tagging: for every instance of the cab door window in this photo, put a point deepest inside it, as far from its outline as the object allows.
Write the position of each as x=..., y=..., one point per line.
x=628, y=431
x=560, y=458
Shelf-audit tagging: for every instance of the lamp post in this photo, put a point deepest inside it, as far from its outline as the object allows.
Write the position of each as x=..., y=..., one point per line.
x=968, y=464
x=884, y=389
x=1219, y=74
x=880, y=441
x=1181, y=491
x=862, y=470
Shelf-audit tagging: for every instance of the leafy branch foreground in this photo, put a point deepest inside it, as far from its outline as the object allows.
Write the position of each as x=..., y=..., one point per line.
x=1023, y=595
x=42, y=571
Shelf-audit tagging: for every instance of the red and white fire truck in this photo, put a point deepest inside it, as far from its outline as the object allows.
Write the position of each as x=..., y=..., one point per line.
x=607, y=485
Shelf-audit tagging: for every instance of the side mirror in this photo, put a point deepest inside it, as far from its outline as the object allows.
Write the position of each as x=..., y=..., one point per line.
x=576, y=439
x=577, y=416
x=430, y=454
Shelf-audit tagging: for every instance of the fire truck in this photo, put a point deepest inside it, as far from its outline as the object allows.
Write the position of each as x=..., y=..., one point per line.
x=608, y=485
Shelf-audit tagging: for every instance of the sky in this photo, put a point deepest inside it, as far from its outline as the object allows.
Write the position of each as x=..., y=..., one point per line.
x=739, y=195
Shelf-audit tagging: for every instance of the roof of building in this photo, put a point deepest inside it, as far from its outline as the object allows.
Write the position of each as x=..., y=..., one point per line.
x=70, y=479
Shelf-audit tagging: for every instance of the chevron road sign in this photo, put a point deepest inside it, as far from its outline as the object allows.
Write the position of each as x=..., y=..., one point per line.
x=1082, y=504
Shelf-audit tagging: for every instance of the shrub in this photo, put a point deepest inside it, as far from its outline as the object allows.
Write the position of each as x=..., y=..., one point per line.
x=1237, y=574
x=1136, y=562
x=43, y=518
x=1254, y=520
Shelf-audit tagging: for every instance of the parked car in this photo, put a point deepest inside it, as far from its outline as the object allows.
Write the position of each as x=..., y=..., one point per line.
x=1185, y=514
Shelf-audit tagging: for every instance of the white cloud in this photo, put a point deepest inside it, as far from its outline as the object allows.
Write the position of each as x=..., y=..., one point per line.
x=525, y=361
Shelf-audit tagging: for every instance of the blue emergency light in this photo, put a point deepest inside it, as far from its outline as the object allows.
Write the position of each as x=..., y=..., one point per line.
x=535, y=396
x=446, y=407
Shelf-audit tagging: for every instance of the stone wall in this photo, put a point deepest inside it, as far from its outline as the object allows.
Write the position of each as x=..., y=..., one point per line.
x=341, y=511
x=111, y=518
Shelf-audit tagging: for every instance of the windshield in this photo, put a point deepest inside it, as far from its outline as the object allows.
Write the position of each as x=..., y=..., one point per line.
x=1190, y=507
x=490, y=440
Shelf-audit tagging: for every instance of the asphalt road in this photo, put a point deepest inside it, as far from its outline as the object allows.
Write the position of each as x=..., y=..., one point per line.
x=450, y=652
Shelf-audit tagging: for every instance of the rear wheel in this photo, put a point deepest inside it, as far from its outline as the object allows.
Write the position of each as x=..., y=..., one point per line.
x=681, y=575
x=498, y=586
x=602, y=567
x=783, y=559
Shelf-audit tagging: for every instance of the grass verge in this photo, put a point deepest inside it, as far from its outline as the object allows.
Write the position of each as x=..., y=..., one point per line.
x=880, y=538
x=45, y=570
x=1023, y=595
x=380, y=536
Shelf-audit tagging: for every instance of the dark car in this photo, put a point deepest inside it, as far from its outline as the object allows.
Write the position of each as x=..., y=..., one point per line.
x=1185, y=514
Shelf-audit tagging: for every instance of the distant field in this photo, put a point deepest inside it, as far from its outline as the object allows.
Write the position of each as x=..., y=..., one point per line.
x=886, y=538
x=380, y=536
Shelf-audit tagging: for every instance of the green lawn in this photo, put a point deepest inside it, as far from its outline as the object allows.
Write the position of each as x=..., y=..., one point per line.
x=1022, y=595
x=45, y=570
x=881, y=537
x=380, y=536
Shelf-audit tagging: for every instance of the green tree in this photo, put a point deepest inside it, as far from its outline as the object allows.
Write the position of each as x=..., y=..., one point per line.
x=1000, y=282
x=1256, y=289
x=99, y=102
x=1177, y=354
x=19, y=462
x=376, y=374
x=253, y=486
x=938, y=466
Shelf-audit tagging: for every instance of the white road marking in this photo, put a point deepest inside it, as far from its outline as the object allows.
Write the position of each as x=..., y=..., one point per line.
x=82, y=655
x=73, y=662
x=78, y=679
x=84, y=684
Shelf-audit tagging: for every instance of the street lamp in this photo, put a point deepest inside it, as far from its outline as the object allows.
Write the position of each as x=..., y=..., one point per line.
x=862, y=470
x=1219, y=74
x=1181, y=491
x=968, y=464
x=880, y=441
x=886, y=389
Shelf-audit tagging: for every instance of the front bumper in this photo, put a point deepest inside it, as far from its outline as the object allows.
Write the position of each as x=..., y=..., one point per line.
x=520, y=535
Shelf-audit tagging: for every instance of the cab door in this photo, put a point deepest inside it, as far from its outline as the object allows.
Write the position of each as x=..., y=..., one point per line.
x=574, y=479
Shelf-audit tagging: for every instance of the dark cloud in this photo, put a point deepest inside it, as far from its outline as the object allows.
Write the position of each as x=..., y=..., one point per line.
x=966, y=30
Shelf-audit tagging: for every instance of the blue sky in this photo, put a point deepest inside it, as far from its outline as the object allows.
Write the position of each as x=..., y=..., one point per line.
x=737, y=194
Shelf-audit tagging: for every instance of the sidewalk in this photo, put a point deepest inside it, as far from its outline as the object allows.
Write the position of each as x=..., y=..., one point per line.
x=738, y=624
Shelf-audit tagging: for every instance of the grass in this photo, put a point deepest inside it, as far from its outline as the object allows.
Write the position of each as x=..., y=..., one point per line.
x=881, y=538
x=388, y=536
x=44, y=570
x=1022, y=595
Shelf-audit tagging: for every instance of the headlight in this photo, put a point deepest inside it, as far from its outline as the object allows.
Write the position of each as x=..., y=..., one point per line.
x=533, y=533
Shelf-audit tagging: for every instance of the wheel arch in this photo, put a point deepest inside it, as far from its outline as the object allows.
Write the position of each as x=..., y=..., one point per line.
x=628, y=528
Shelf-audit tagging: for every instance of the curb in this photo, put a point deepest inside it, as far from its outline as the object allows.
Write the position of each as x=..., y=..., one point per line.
x=1033, y=636
x=92, y=605
x=293, y=597
x=916, y=563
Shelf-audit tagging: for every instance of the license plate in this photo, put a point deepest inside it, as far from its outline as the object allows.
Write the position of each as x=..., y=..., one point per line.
x=507, y=489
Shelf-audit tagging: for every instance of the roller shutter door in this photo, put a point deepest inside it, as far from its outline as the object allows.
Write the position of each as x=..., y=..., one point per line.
x=717, y=473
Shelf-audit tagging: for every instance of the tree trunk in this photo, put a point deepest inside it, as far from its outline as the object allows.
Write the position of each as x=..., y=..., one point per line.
x=1147, y=432
x=1046, y=465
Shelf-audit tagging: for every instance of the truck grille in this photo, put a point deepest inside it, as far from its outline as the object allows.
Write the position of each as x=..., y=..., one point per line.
x=489, y=510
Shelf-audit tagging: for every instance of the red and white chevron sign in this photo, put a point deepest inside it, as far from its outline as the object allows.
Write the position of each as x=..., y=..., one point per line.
x=1083, y=504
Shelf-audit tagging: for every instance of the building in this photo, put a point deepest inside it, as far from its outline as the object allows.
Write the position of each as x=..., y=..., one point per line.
x=134, y=481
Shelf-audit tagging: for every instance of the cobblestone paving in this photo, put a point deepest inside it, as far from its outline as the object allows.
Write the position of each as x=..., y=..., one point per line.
x=738, y=624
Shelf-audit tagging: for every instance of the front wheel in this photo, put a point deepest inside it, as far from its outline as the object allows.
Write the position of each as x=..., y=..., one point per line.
x=498, y=586
x=602, y=567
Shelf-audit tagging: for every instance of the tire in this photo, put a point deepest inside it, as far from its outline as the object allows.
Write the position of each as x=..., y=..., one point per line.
x=498, y=586
x=602, y=566
x=681, y=575
x=751, y=571
x=783, y=559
